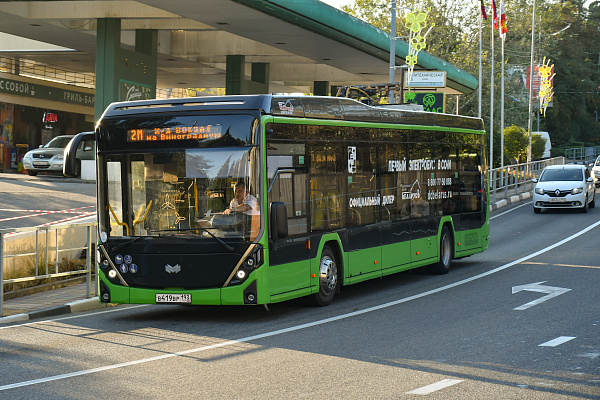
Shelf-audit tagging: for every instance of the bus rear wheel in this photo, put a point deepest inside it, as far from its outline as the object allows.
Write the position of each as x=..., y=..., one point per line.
x=446, y=253
x=328, y=277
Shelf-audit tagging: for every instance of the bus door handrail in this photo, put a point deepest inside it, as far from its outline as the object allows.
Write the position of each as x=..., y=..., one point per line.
x=117, y=219
x=279, y=171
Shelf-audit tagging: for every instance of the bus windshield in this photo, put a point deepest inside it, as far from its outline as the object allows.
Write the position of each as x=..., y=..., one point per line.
x=207, y=193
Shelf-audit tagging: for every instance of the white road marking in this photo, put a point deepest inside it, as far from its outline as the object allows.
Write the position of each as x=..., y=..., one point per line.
x=512, y=209
x=551, y=291
x=434, y=387
x=298, y=327
x=558, y=341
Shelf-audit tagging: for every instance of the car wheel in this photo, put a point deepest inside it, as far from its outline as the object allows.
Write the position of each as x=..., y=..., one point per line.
x=593, y=202
x=328, y=278
x=446, y=254
x=537, y=210
x=31, y=173
x=584, y=209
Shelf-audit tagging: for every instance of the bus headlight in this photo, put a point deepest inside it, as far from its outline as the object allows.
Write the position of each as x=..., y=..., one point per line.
x=252, y=261
x=112, y=274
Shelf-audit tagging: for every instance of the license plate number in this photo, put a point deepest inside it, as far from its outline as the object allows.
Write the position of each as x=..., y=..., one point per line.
x=173, y=298
x=41, y=163
x=556, y=199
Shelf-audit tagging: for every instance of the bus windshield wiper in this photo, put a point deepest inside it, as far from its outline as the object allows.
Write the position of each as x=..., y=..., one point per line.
x=218, y=239
x=117, y=247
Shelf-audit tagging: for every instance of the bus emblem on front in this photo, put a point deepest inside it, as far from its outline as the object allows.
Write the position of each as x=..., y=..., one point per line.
x=173, y=270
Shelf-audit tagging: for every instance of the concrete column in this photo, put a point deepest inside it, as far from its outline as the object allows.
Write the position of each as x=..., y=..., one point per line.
x=235, y=77
x=234, y=74
x=123, y=74
x=108, y=43
x=321, y=88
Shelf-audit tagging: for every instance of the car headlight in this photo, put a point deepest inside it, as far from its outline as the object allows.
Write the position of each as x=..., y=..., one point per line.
x=577, y=190
x=539, y=190
x=59, y=157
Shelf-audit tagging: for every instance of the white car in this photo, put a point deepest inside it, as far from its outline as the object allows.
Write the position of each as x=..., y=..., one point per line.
x=49, y=157
x=596, y=171
x=564, y=186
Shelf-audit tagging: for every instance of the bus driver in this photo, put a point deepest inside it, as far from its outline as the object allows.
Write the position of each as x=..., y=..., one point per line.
x=243, y=201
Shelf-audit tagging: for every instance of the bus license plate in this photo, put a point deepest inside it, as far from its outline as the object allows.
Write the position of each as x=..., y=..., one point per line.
x=173, y=298
x=557, y=199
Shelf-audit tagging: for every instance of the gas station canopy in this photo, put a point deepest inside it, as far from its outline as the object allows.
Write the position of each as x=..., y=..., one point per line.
x=302, y=41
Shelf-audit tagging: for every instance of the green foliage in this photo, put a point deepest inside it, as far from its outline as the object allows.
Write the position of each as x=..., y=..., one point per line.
x=573, y=51
x=538, y=146
x=515, y=144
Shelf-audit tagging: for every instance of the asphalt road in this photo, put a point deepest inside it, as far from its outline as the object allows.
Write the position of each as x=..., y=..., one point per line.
x=45, y=199
x=519, y=321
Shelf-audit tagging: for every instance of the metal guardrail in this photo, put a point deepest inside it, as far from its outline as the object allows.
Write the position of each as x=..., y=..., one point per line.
x=586, y=154
x=44, y=251
x=516, y=179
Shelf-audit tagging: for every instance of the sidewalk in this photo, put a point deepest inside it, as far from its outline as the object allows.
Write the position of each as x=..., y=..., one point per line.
x=48, y=177
x=63, y=300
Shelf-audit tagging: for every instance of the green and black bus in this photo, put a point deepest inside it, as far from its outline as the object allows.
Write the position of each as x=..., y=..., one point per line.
x=335, y=192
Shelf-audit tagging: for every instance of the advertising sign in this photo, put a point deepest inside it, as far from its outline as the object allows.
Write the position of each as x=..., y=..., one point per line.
x=431, y=101
x=129, y=91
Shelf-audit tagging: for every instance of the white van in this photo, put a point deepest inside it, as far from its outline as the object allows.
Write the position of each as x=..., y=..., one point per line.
x=548, y=150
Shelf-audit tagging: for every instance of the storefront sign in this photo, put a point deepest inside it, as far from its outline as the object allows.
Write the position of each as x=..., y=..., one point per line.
x=38, y=91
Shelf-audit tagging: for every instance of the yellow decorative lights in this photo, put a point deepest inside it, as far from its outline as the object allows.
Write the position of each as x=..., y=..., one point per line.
x=545, y=91
x=415, y=22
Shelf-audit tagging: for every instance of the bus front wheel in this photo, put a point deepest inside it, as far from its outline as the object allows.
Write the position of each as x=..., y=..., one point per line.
x=446, y=253
x=328, y=278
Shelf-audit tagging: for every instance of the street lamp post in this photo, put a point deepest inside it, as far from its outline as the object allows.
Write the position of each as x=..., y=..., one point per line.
x=531, y=84
x=392, y=51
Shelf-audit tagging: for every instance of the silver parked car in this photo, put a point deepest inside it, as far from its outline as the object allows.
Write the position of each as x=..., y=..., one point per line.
x=564, y=186
x=49, y=157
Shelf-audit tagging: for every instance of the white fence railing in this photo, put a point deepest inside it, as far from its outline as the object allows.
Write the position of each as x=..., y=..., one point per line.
x=516, y=179
x=33, y=254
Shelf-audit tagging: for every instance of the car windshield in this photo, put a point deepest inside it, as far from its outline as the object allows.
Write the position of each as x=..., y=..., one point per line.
x=59, y=142
x=567, y=174
x=597, y=161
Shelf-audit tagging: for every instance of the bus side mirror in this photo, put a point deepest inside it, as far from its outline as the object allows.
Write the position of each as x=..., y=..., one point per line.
x=70, y=153
x=279, y=227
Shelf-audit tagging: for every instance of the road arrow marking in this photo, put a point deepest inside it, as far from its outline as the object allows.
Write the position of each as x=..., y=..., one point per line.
x=538, y=287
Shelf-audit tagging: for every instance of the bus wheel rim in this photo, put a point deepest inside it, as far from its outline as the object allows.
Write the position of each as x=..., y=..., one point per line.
x=327, y=276
x=446, y=250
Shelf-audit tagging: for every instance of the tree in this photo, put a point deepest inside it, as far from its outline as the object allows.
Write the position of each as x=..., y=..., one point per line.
x=574, y=53
x=515, y=144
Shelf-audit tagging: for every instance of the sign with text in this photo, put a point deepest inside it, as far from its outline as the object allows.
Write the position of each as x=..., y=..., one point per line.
x=426, y=79
x=431, y=101
x=129, y=91
x=27, y=89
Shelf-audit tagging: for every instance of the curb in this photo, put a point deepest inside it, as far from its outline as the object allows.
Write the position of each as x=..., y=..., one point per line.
x=72, y=307
x=511, y=200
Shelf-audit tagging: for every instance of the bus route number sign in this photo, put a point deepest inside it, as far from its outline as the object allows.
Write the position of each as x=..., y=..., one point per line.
x=174, y=133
